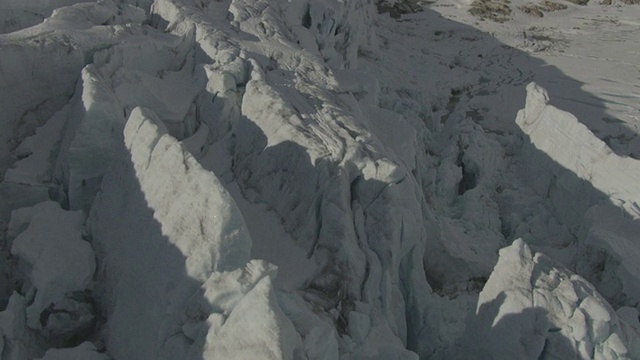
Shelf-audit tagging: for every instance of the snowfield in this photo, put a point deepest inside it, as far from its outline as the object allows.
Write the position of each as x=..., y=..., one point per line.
x=319, y=179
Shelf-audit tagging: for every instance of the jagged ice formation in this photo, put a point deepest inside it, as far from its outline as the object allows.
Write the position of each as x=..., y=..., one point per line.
x=230, y=180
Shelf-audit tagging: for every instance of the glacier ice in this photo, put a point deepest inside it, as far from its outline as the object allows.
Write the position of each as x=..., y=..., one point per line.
x=84, y=351
x=533, y=308
x=17, y=341
x=178, y=231
x=590, y=188
x=252, y=179
x=59, y=263
x=575, y=148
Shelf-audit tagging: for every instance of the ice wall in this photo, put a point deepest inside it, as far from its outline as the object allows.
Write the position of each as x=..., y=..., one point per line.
x=533, y=308
x=590, y=188
x=179, y=126
x=55, y=267
x=42, y=64
x=166, y=228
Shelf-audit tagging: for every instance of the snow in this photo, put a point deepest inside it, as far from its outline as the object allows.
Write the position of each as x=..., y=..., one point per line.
x=35, y=168
x=257, y=313
x=250, y=179
x=172, y=239
x=17, y=341
x=571, y=145
x=591, y=171
x=533, y=308
x=609, y=242
x=17, y=15
x=46, y=59
x=97, y=129
x=60, y=262
x=84, y=351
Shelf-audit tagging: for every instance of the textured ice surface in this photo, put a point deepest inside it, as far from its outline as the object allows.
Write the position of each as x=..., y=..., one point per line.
x=532, y=308
x=18, y=341
x=608, y=254
x=59, y=261
x=94, y=134
x=84, y=351
x=591, y=188
x=583, y=159
x=298, y=147
x=255, y=328
x=307, y=179
x=176, y=227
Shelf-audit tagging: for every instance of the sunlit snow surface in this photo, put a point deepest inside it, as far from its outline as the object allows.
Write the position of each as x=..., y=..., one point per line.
x=310, y=179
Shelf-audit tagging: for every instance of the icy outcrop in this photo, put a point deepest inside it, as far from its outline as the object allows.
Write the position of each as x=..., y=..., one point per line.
x=357, y=206
x=591, y=189
x=59, y=265
x=584, y=161
x=608, y=254
x=336, y=31
x=19, y=14
x=462, y=185
x=285, y=132
x=533, y=308
x=17, y=341
x=91, y=138
x=75, y=146
x=176, y=227
x=42, y=64
x=40, y=69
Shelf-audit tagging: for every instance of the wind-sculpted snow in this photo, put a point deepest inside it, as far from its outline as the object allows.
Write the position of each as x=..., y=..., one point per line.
x=253, y=179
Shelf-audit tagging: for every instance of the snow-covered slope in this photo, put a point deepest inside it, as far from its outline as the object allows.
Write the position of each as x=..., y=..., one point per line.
x=253, y=179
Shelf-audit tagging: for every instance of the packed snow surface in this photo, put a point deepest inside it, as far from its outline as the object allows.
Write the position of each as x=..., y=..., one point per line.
x=319, y=179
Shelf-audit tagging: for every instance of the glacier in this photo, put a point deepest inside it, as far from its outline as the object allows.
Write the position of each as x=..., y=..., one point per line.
x=326, y=179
